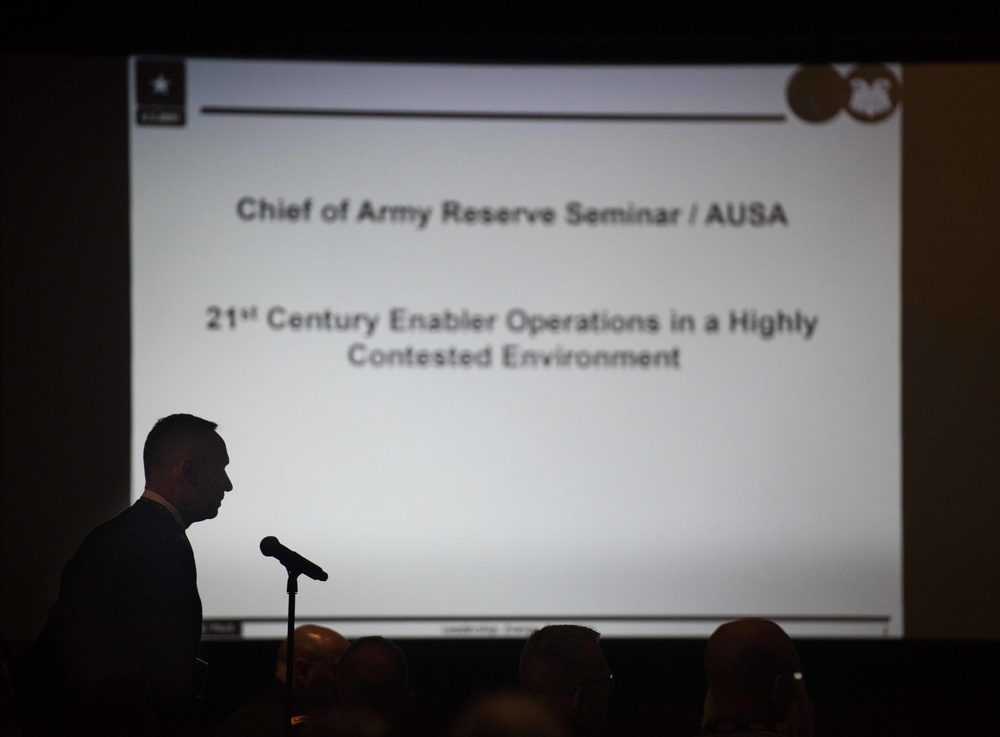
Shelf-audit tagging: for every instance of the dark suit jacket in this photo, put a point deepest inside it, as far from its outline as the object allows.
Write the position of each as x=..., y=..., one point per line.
x=127, y=625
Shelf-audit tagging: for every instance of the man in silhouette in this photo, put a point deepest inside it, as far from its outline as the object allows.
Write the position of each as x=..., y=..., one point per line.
x=754, y=682
x=373, y=676
x=119, y=652
x=564, y=666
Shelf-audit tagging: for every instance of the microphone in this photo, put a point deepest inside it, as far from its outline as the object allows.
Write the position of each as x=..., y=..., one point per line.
x=291, y=560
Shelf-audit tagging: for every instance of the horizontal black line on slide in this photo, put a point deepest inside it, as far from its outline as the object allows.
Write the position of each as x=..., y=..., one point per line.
x=467, y=115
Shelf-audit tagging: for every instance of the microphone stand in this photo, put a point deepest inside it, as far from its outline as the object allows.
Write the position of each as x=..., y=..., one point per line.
x=292, y=589
x=294, y=564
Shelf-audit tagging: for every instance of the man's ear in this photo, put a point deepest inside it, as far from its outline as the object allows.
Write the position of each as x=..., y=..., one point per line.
x=782, y=692
x=189, y=470
x=300, y=673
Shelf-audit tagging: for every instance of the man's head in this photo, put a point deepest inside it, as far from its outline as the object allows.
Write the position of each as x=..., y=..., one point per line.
x=185, y=462
x=316, y=654
x=752, y=670
x=563, y=664
x=373, y=673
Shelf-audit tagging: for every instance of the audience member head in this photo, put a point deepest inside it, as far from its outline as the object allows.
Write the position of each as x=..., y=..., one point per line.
x=753, y=671
x=507, y=714
x=563, y=665
x=317, y=652
x=373, y=673
x=185, y=462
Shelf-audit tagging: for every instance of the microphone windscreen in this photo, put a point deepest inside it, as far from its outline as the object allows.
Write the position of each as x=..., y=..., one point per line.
x=269, y=546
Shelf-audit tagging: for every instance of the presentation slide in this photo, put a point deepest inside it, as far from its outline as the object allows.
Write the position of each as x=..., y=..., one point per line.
x=498, y=346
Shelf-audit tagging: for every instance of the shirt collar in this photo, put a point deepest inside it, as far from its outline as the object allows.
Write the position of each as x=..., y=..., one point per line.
x=153, y=496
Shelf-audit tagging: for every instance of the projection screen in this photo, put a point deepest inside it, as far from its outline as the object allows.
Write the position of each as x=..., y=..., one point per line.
x=497, y=346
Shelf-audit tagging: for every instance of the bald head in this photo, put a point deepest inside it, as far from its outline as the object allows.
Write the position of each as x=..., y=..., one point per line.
x=314, y=643
x=751, y=666
x=317, y=651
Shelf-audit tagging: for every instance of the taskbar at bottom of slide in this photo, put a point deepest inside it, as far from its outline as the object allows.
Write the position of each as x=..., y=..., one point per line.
x=519, y=627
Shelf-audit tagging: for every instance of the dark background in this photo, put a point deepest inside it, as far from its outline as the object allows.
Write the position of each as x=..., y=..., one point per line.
x=65, y=330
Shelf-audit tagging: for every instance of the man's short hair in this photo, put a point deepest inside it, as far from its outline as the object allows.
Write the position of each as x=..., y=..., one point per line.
x=171, y=433
x=555, y=657
x=373, y=672
x=744, y=656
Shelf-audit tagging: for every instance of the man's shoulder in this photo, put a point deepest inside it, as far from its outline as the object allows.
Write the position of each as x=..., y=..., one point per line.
x=145, y=525
x=130, y=557
x=144, y=515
